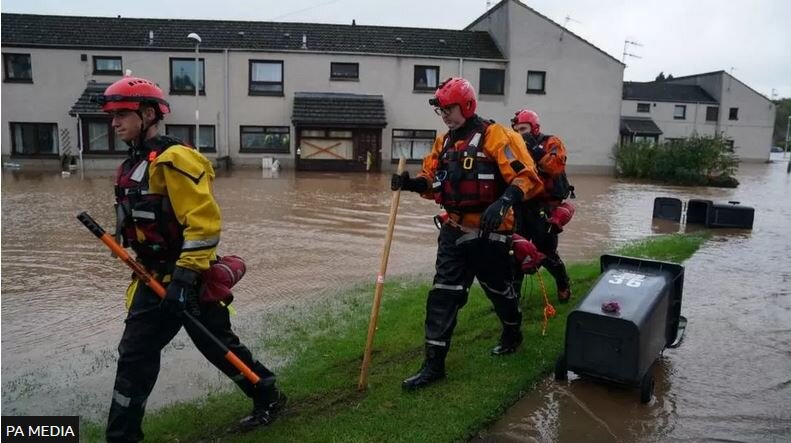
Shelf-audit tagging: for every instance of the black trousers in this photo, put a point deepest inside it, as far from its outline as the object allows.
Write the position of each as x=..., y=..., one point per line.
x=148, y=330
x=461, y=257
x=532, y=224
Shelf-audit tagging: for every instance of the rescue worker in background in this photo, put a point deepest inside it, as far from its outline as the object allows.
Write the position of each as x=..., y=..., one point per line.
x=168, y=216
x=477, y=171
x=541, y=219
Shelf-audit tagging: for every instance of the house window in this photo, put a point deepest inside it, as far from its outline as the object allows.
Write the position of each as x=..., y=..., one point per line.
x=272, y=139
x=680, y=112
x=344, y=71
x=644, y=107
x=34, y=139
x=98, y=137
x=426, y=78
x=413, y=144
x=492, y=81
x=712, y=113
x=536, y=82
x=107, y=65
x=186, y=133
x=182, y=76
x=733, y=114
x=18, y=68
x=266, y=77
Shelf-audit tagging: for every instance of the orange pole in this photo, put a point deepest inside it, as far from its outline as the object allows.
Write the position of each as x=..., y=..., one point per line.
x=152, y=283
x=362, y=385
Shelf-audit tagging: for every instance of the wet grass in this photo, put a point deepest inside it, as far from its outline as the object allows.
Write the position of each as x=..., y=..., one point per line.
x=326, y=341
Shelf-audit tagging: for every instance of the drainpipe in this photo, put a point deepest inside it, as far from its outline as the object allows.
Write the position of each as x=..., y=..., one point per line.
x=79, y=144
x=227, y=107
x=695, y=121
x=461, y=67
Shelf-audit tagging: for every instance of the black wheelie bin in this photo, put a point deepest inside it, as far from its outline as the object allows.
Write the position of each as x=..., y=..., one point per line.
x=623, y=324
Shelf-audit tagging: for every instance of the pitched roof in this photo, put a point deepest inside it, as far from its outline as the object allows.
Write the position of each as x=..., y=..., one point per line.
x=639, y=125
x=662, y=91
x=85, y=104
x=337, y=109
x=171, y=34
x=562, y=28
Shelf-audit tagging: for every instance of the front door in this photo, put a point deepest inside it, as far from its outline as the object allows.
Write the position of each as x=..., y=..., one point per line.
x=367, y=149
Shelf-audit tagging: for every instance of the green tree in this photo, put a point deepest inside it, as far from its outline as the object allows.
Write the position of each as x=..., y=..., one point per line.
x=782, y=111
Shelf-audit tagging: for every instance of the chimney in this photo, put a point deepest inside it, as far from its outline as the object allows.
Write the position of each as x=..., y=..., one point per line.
x=354, y=22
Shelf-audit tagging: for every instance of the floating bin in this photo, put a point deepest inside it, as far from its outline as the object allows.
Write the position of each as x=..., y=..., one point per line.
x=620, y=345
x=720, y=215
x=730, y=215
x=667, y=208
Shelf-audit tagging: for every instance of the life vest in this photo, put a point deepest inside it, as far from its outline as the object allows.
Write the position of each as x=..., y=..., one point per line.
x=146, y=221
x=556, y=183
x=466, y=179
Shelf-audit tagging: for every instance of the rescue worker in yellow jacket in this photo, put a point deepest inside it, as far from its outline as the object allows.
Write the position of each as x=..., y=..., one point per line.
x=169, y=217
x=477, y=171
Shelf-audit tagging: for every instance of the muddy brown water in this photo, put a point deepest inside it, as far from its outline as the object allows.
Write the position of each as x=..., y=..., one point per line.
x=306, y=236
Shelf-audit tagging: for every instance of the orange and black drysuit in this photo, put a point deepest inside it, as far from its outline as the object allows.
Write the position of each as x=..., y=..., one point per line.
x=549, y=154
x=168, y=216
x=467, y=170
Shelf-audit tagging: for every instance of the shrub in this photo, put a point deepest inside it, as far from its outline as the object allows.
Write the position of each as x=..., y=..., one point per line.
x=695, y=161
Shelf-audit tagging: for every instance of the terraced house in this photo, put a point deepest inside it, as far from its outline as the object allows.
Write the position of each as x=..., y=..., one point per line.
x=314, y=96
x=714, y=103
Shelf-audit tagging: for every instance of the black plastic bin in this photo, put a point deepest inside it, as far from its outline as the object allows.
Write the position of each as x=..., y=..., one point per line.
x=622, y=346
x=668, y=208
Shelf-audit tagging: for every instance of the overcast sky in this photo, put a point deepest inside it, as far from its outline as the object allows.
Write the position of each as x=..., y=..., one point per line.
x=750, y=39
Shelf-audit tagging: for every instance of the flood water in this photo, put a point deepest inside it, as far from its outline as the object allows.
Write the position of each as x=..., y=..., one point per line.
x=307, y=236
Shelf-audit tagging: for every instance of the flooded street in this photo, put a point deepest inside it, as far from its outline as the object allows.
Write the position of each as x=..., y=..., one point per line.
x=306, y=236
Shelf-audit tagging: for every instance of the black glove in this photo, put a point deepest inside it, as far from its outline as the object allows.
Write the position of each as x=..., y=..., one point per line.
x=493, y=216
x=181, y=290
x=405, y=183
x=536, y=150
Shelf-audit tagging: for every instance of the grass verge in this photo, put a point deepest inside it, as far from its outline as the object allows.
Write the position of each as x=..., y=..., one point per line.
x=326, y=341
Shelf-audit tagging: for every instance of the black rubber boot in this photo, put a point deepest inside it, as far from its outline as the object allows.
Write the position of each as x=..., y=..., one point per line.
x=268, y=402
x=510, y=340
x=433, y=369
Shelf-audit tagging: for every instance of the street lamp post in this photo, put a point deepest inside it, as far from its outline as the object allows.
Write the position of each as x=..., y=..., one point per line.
x=788, y=125
x=197, y=39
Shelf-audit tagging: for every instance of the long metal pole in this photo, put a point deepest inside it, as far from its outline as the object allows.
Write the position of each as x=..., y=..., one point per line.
x=788, y=125
x=197, y=102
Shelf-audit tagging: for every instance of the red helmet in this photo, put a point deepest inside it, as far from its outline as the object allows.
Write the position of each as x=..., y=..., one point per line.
x=130, y=92
x=527, y=116
x=456, y=91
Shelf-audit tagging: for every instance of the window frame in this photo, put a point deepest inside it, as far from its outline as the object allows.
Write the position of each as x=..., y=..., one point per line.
x=97, y=71
x=7, y=59
x=646, y=107
x=112, y=149
x=543, y=89
x=12, y=126
x=191, y=136
x=716, y=115
x=491, y=71
x=202, y=62
x=411, y=159
x=250, y=80
x=415, y=87
x=733, y=114
x=283, y=150
x=683, y=114
x=334, y=77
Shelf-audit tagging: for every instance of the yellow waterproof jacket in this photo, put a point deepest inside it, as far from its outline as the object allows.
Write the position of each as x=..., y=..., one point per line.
x=186, y=177
x=515, y=164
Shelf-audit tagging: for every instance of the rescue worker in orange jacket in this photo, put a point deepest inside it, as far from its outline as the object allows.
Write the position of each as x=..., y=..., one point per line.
x=168, y=216
x=541, y=219
x=477, y=171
